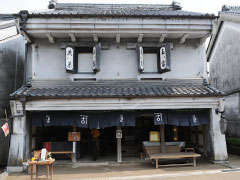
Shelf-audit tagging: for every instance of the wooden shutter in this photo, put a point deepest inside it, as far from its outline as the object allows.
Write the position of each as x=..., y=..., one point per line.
x=70, y=59
x=164, y=63
x=140, y=59
x=96, y=57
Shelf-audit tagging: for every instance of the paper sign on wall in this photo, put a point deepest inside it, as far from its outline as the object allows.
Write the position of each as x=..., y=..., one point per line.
x=5, y=129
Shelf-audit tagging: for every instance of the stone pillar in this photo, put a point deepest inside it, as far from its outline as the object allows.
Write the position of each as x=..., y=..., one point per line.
x=218, y=149
x=19, y=145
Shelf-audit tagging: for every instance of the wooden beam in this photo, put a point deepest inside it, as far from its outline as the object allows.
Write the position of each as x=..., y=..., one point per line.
x=183, y=38
x=104, y=45
x=74, y=157
x=119, y=147
x=73, y=38
x=50, y=38
x=28, y=39
x=95, y=38
x=162, y=139
x=118, y=38
x=140, y=37
x=133, y=45
x=162, y=37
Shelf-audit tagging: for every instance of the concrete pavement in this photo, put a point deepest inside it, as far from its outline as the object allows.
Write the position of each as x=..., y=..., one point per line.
x=139, y=170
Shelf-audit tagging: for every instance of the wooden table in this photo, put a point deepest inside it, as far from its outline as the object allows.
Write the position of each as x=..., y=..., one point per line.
x=47, y=163
x=175, y=156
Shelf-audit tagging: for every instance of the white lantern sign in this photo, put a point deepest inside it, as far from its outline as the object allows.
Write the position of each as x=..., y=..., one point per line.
x=69, y=59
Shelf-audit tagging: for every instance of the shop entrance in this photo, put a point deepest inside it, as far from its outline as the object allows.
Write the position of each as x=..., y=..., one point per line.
x=55, y=138
x=51, y=130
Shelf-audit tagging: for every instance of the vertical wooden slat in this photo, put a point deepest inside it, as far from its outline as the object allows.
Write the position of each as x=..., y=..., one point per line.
x=162, y=139
x=196, y=136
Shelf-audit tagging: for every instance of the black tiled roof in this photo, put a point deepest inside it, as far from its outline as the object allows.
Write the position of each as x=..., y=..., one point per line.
x=230, y=10
x=111, y=90
x=69, y=9
x=6, y=17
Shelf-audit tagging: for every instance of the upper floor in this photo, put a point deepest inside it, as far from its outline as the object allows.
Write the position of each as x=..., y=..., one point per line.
x=99, y=42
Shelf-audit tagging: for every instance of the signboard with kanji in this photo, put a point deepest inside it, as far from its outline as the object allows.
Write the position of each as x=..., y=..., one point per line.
x=74, y=136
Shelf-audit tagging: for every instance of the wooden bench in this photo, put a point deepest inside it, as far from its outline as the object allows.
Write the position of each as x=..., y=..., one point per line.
x=178, y=155
x=173, y=151
x=63, y=152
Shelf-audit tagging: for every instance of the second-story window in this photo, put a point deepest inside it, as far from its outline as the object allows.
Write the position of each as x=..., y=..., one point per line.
x=150, y=60
x=153, y=59
x=83, y=60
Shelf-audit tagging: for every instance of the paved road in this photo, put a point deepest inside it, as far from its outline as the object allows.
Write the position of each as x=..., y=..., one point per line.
x=191, y=175
x=140, y=170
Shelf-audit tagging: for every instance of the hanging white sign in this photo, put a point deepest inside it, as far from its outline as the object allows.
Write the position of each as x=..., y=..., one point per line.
x=163, y=58
x=94, y=58
x=69, y=58
x=141, y=60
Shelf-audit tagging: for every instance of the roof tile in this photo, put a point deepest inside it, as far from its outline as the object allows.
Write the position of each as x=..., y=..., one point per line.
x=66, y=9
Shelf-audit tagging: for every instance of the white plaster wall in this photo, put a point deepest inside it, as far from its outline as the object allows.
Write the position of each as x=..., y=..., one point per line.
x=225, y=59
x=225, y=72
x=188, y=61
x=118, y=63
x=48, y=62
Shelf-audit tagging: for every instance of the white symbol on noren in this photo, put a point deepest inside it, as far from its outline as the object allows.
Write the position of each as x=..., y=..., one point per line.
x=194, y=118
x=159, y=117
x=121, y=118
x=84, y=119
x=48, y=119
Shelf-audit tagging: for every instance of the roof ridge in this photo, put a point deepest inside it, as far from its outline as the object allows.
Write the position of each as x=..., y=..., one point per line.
x=230, y=9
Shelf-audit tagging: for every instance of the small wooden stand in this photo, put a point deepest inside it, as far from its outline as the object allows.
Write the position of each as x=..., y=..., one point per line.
x=47, y=163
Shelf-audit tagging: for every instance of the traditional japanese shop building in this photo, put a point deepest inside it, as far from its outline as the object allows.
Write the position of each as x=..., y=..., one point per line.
x=116, y=66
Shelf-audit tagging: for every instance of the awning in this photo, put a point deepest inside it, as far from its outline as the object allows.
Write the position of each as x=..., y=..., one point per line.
x=84, y=119
x=117, y=118
x=181, y=118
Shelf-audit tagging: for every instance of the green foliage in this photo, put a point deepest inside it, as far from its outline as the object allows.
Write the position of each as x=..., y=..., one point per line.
x=233, y=141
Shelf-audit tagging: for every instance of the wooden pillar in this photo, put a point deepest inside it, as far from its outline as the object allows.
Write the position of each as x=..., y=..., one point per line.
x=74, y=158
x=162, y=139
x=119, y=147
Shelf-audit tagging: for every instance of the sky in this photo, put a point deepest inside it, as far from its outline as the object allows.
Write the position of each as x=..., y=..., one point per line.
x=206, y=6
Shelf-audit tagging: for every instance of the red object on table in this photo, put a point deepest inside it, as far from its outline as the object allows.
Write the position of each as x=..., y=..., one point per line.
x=47, y=145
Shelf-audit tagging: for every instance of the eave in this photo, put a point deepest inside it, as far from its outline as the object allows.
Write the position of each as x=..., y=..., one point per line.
x=128, y=27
